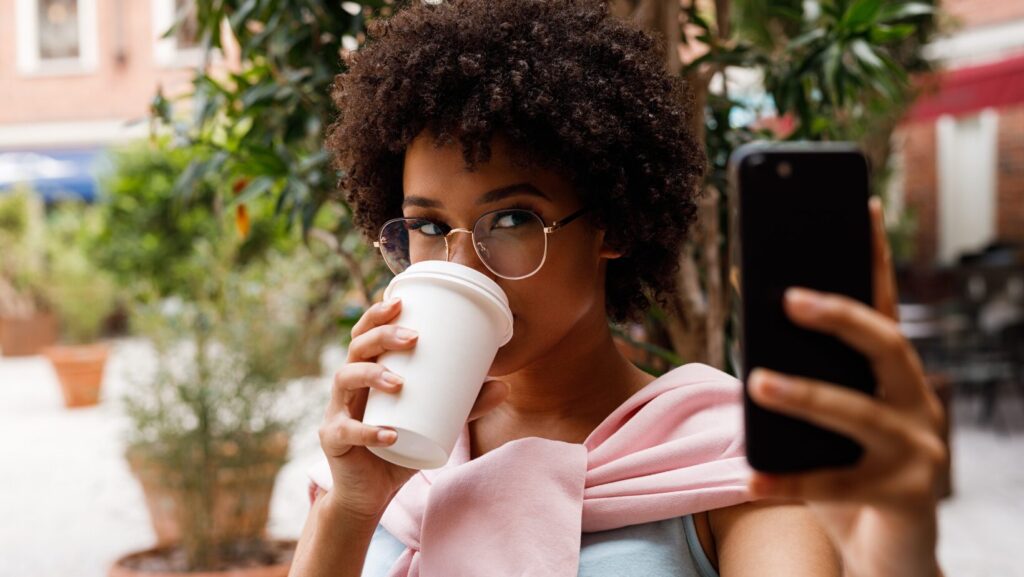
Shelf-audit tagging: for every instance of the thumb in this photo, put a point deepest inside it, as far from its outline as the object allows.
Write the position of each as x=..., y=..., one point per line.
x=492, y=394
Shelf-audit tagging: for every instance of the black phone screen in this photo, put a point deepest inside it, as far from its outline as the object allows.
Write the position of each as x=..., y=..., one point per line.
x=802, y=221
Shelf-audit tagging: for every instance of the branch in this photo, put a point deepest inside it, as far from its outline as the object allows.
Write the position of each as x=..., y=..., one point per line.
x=354, y=268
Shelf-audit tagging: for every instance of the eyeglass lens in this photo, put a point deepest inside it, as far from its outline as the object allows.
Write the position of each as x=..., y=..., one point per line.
x=511, y=243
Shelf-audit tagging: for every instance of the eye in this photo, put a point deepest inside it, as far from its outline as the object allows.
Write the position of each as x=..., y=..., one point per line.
x=511, y=219
x=427, y=228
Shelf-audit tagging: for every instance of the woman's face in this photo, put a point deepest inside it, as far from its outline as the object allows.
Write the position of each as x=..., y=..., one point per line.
x=566, y=293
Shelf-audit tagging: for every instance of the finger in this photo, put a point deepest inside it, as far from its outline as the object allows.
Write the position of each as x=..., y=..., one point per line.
x=377, y=340
x=913, y=490
x=829, y=485
x=378, y=314
x=492, y=394
x=886, y=297
x=355, y=376
x=878, y=337
x=833, y=407
x=340, y=434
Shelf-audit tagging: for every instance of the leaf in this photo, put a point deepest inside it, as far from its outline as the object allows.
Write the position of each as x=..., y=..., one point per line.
x=860, y=14
x=884, y=34
x=806, y=38
x=259, y=93
x=242, y=223
x=866, y=54
x=238, y=19
x=257, y=187
x=895, y=11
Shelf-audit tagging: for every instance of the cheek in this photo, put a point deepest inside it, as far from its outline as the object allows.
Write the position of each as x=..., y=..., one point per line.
x=546, y=306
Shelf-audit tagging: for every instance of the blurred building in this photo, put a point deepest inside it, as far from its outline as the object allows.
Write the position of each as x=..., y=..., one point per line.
x=960, y=151
x=77, y=76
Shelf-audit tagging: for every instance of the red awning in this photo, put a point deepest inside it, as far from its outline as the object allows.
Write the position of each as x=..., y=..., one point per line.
x=965, y=90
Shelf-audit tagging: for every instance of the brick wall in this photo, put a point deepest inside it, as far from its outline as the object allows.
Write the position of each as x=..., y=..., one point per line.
x=921, y=186
x=116, y=90
x=1010, y=175
x=971, y=13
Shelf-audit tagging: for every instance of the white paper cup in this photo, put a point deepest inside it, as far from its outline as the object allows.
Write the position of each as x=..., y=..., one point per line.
x=462, y=318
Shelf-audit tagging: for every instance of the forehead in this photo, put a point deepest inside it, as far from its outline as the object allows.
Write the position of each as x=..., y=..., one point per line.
x=441, y=173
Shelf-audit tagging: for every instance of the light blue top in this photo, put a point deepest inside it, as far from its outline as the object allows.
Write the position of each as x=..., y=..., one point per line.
x=668, y=548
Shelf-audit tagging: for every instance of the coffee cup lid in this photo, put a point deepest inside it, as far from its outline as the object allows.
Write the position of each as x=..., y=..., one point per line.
x=463, y=276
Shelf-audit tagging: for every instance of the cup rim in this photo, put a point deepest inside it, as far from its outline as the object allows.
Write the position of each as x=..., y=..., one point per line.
x=460, y=275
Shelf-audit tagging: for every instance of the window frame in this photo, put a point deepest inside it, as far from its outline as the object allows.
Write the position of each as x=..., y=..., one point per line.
x=29, y=58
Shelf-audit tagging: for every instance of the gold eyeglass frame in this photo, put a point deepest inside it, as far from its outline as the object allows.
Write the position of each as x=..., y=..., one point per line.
x=555, y=226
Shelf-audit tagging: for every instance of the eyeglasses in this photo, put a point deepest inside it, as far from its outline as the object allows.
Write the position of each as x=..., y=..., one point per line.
x=512, y=243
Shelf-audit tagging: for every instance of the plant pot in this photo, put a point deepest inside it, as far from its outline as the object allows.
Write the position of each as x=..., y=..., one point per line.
x=162, y=561
x=80, y=372
x=27, y=336
x=241, y=495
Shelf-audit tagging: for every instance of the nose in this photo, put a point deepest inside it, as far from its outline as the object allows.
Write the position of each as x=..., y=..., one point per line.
x=460, y=251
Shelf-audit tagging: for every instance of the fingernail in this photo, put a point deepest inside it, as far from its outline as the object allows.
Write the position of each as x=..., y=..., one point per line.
x=391, y=302
x=392, y=378
x=803, y=299
x=386, y=436
x=405, y=334
x=771, y=384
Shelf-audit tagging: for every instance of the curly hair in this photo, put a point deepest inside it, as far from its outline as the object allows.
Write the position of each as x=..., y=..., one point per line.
x=572, y=88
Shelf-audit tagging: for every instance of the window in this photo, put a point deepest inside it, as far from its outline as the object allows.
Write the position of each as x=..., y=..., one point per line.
x=184, y=46
x=56, y=36
x=967, y=155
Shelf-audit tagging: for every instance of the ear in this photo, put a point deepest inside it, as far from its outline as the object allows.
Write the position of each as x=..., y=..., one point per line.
x=606, y=251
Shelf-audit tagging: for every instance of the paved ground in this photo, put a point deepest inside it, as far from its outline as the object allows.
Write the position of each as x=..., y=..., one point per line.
x=69, y=505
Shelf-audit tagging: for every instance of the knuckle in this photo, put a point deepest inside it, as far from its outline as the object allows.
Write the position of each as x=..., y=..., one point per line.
x=328, y=435
x=340, y=378
x=934, y=451
x=367, y=435
x=863, y=414
x=892, y=338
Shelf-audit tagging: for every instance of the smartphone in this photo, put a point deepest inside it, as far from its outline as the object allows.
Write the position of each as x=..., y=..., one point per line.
x=800, y=218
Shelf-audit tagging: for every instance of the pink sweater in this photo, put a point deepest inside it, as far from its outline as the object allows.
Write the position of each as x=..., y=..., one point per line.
x=672, y=449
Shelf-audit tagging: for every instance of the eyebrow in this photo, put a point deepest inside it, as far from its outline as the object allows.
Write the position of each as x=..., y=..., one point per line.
x=488, y=197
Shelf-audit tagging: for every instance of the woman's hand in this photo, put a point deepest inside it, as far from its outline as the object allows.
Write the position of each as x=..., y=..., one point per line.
x=880, y=513
x=364, y=483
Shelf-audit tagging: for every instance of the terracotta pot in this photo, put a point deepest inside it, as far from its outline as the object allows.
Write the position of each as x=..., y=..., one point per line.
x=22, y=337
x=241, y=496
x=80, y=372
x=156, y=562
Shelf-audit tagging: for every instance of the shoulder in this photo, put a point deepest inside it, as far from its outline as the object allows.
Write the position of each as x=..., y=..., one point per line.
x=771, y=537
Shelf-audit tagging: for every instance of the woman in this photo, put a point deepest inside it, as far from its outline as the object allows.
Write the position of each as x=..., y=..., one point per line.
x=519, y=111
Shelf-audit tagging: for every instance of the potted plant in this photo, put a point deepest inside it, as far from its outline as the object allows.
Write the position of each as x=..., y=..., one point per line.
x=210, y=431
x=82, y=296
x=237, y=310
x=26, y=324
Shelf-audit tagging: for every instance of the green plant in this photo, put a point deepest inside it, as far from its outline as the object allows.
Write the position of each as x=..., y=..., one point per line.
x=82, y=295
x=219, y=393
x=22, y=254
x=261, y=129
x=150, y=232
x=837, y=69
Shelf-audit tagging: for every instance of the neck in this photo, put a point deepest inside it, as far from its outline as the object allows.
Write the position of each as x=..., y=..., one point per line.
x=564, y=394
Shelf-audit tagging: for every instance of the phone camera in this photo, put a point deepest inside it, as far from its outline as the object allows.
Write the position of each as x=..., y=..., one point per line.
x=784, y=169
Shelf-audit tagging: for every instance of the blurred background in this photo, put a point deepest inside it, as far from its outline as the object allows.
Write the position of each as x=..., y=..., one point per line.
x=178, y=276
